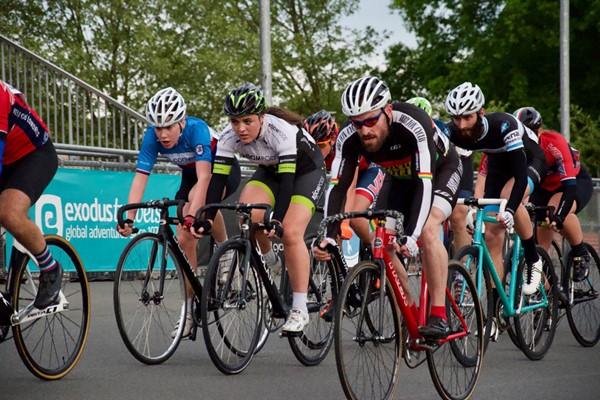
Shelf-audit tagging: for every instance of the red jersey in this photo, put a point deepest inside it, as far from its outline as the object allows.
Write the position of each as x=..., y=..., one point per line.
x=562, y=159
x=362, y=163
x=21, y=127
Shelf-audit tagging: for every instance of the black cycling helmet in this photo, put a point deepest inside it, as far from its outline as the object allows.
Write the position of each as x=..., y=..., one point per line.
x=321, y=126
x=530, y=117
x=244, y=100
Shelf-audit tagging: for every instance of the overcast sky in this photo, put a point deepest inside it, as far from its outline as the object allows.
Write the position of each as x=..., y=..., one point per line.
x=377, y=14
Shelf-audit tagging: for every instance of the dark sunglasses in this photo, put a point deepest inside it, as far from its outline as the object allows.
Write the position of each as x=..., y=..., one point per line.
x=368, y=122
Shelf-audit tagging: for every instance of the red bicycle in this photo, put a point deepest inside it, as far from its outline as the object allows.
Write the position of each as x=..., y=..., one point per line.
x=374, y=326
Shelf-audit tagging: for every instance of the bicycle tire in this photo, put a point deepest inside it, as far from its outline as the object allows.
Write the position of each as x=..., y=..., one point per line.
x=583, y=312
x=536, y=328
x=146, y=316
x=231, y=325
x=469, y=256
x=455, y=365
x=51, y=346
x=358, y=345
x=313, y=345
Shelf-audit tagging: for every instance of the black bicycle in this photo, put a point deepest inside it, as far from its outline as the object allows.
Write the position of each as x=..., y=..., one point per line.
x=239, y=306
x=49, y=341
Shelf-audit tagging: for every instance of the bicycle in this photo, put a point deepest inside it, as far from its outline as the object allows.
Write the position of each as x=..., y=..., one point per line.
x=530, y=320
x=579, y=300
x=238, y=309
x=50, y=342
x=372, y=316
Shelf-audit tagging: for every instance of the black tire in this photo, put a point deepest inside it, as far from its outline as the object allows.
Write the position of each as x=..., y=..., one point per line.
x=368, y=361
x=583, y=311
x=535, y=328
x=231, y=325
x=455, y=365
x=469, y=256
x=312, y=346
x=50, y=346
x=145, y=315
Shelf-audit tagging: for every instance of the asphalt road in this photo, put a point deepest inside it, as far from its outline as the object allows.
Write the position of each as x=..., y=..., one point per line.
x=107, y=371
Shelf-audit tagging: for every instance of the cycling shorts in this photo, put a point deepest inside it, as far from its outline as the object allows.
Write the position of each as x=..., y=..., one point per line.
x=583, y=195
x=188, y=180
x=32, y=173
x=369, y=183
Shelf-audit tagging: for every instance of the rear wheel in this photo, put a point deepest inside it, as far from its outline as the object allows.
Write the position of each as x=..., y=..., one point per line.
x=231, y=308
x=51, y=345
x=455, y=363
x=535, y=327
x=149, y=301
x=312, y=346
x=583, y=311
x=367, y=335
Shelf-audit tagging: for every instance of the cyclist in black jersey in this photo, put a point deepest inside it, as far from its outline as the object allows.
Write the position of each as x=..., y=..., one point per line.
x=402, y=139
x=290, y=176
x=516, y=164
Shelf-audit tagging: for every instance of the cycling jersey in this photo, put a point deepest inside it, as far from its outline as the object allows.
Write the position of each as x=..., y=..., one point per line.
x=511, y=148
x=194, y=144
x=285, y=149
x=21, y=129
x=409, y=153
x=563, y=161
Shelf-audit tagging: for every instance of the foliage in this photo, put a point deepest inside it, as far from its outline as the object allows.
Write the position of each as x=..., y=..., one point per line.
x=585, y=137
x=130, y=49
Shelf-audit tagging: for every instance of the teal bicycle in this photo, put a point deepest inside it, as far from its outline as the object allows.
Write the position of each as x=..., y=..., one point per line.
x=530, y=320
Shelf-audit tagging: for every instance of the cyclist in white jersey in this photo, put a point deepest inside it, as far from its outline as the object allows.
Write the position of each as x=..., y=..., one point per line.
x=290, y=176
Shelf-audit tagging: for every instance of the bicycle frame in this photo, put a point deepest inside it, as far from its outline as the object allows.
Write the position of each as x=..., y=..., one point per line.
x=484, y=260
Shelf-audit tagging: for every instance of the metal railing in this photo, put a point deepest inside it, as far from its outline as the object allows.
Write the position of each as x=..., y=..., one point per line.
x=76, y=113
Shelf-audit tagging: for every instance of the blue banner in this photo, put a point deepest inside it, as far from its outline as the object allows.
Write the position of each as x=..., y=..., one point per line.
x=81, y=206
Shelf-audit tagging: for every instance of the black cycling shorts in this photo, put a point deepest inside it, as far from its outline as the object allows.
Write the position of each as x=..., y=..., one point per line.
x=583, y=195
x=188, y=180
x=32, y=173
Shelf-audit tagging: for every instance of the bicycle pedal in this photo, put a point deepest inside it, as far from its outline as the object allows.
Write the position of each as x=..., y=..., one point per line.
x=283, y=334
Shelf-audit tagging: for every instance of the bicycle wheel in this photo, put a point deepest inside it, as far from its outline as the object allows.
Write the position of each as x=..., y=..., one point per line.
x=148, y=300
x=469, y=256
x=231, y=309
x=367, y=354
x=536, y=327
x=583, y=311
x=312, y=346
x=51, y=345
x=508, y=323
x=455, y=365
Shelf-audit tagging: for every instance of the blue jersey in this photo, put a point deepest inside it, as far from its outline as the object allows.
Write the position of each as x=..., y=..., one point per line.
x=193, y=145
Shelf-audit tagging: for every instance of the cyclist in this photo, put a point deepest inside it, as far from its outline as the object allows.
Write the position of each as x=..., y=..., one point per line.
x=290, y=176
x=401, y=138
x=186, y=142
x=568, y=187
x=28, y=162
x=370, y=177
x=465, y=189
x=516, y=164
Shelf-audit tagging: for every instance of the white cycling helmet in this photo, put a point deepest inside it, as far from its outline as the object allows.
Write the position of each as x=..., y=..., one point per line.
x=464, y=99
x=364, y=95
x=165, y=108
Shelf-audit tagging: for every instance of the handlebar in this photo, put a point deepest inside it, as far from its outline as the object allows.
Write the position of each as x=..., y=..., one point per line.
x=238, y=207
x=368, y=214
x=158, y=204
x=480, y=203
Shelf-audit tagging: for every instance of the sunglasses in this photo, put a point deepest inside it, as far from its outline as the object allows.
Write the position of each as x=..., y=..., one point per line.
x=368, y=122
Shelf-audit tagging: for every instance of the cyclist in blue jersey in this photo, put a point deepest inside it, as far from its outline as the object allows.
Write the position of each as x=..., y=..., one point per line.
x=186, y=142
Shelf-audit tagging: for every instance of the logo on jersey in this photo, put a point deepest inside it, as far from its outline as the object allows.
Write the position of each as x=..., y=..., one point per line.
x=504, y=127
x=199, y=149
x=395, y=147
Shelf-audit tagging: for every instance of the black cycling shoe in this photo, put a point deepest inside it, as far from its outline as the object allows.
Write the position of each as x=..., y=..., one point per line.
x=48, y=288
x=581, y=267
x=437, y=328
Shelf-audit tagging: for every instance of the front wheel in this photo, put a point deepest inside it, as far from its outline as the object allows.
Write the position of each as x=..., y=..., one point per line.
x=583, y=310
x=536, y=325
x=367, y=335
x=455, y=364
x=231, y=308
x=50, y=346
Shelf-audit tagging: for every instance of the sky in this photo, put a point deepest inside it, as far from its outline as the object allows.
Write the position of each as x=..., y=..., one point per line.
x=377, y=14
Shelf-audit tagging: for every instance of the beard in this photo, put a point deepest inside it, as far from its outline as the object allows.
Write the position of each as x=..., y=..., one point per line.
x=471, y=135
x=371, y=143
